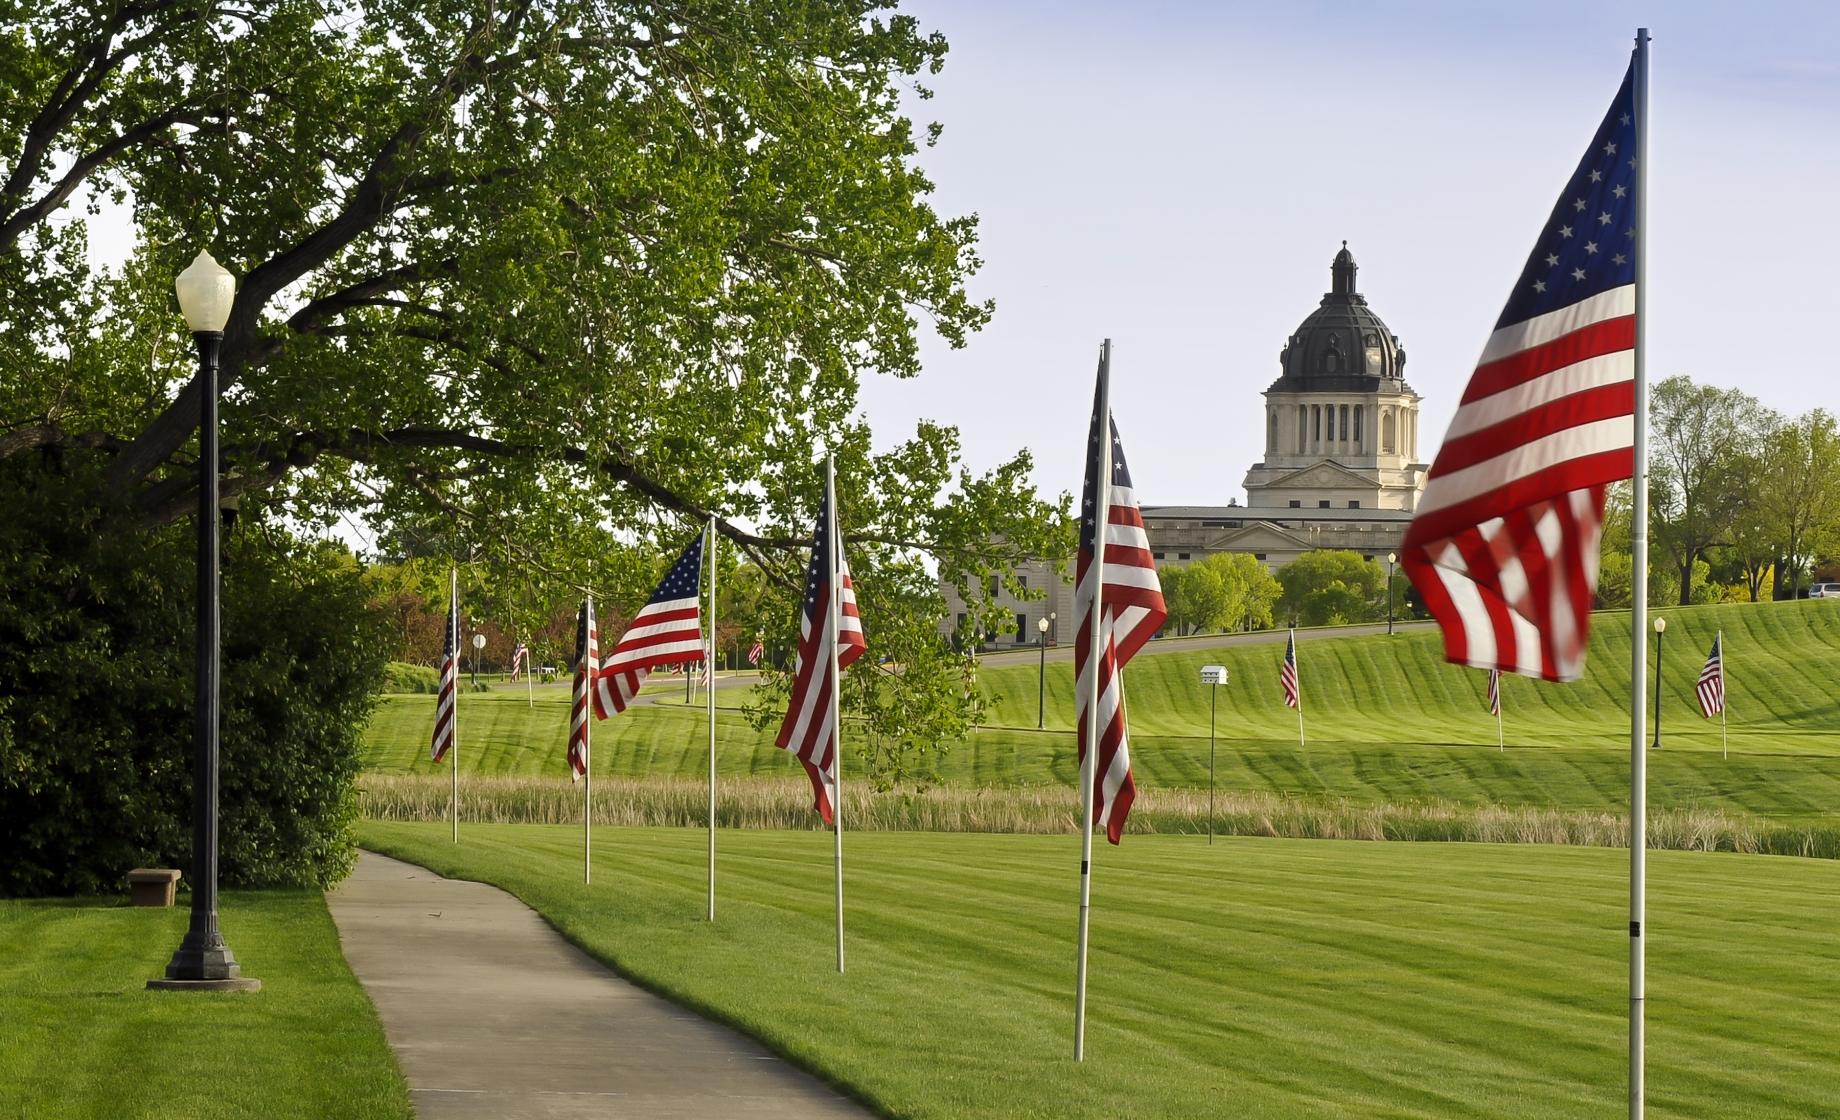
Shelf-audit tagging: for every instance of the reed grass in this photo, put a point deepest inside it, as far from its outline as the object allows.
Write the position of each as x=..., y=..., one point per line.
x=1052, y=810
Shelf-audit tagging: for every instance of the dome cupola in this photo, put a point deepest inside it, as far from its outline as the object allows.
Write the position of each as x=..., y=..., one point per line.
x=1342, y=346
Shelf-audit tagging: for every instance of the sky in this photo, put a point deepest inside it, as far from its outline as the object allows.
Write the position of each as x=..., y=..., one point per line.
x=1177, y=177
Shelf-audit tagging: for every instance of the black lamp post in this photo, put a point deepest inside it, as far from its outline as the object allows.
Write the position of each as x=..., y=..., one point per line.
x=203, y=960
x=1660, y=632
x=1041, y=683
x=1391, y=559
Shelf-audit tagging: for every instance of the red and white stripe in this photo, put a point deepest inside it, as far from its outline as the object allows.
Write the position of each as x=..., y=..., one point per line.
x=1711, y=686
x=587, y=656
x=446, y=694
x=754, y=652
x=1504, y=545
x=808, y=730
x=1494, y=692
x=1287, y=674
x=668, y=633
x=1126, y=587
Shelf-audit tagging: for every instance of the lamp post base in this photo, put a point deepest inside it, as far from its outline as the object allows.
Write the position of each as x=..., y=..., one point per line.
x=204, y=962
x=234, y=984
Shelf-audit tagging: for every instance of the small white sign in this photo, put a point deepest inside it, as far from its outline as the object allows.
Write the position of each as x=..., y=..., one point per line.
x=1213, y=674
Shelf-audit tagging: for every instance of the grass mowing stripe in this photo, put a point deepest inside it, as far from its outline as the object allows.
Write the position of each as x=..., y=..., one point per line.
x=1414, y=728
x=1274, y=978
x=81, y=1036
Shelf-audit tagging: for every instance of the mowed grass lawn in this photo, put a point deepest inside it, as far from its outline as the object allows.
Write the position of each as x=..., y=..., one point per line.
x=81, y=1036
x=1254, y=979
x=1387, y=720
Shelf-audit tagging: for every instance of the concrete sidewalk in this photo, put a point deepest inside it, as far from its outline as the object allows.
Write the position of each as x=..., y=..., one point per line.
x=492, y=1014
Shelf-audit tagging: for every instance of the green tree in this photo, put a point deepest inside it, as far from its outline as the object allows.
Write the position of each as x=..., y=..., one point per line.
x=1698, y=487
x=537, y=286
x=1797, y=492
x=1327, y=587
x=1223, y=591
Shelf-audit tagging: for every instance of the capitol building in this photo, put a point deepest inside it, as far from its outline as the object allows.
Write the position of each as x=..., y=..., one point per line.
x=1341, y=467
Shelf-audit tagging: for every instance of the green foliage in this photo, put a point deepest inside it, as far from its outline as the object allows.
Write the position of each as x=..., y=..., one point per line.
x=535, y=289
x=1329, y=587
x=96, y=651
x=399, y=676
x=1224, y=591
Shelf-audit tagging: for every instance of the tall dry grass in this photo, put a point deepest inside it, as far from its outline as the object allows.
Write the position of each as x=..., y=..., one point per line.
x=786, y=804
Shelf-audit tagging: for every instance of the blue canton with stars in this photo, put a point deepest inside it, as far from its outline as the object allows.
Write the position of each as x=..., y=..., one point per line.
x=685, y=577
x=817, y=573
x=1589, y=243
x=1121, y=476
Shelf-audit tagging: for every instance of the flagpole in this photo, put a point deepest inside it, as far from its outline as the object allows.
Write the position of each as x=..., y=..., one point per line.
x=1102, y=498
x=453, y=762
x=1501, y=742
x=709, y=558
x=1638, y=758
x=530, y=688
x=587, y=754
x=833, y=542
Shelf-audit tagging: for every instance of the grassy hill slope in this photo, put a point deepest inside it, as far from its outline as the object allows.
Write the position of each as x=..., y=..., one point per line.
x=1387, y=720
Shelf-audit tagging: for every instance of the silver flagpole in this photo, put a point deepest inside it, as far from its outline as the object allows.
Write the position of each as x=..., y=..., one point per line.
x=1501, y=742
x=834, y=542
x=709, y=558
x=530, y=688
x=453, y=750
x=587, y=758
x=1724, y=699
x=1638, y=620
x=1102, y=514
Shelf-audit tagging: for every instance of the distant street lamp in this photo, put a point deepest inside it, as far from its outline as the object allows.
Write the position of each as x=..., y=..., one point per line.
x=479, y=644
x=1212, y=676
x=203, y=961
x=1660, y=631
x=1041, y=686
x=1391, y=559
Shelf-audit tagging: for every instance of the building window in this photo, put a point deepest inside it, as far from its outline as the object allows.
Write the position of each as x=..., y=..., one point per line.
x=1354, y=505
x=1157, y=555
x=1323, y=504
x=995, y=585
x=1386, y=432
x=1303, y=426
x=1181, y=556
x=1022, y=582
x=1272, y=441
x=1316, y=422
x=1358, y=409
x=1296, y=504
x=1258, y=556
x=1344, y=435
x=1022, y=628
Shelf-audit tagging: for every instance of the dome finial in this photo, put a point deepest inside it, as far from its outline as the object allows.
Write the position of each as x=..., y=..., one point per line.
x=1341, y=273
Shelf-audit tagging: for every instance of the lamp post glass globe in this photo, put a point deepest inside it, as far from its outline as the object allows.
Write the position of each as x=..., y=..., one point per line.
x=206, y=290
x=1041, y=624
x=1661, y=626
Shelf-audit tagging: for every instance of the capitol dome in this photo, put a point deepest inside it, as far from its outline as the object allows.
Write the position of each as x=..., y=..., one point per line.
x=1342, y=346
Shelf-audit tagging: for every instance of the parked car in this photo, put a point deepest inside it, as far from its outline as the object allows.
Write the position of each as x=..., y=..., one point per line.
x=1824, y=591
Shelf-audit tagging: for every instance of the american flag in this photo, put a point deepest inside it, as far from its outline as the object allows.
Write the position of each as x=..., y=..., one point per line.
x=520, y=660
x=1494, y=692
x=1504, y=545
x=755, y=650
x=1124, y=587
x=445, y=695
x=1287, y=674
x=587, y=655
x=668, y=631
x=702, y=675
x=1711, y=687
x=807, y=730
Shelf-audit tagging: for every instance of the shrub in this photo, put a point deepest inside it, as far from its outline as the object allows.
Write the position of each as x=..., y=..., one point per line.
x=400, y=676
x=96, y=651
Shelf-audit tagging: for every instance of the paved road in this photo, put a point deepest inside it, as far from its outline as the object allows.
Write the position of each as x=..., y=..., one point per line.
x=1064, y=651
x=492, y=1014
